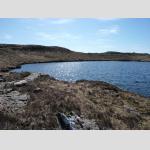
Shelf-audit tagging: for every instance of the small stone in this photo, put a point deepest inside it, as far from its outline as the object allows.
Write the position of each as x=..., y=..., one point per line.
x=2, y=79
x=37, y=90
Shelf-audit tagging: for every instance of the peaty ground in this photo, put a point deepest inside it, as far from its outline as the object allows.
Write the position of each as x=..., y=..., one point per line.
x=35, y=104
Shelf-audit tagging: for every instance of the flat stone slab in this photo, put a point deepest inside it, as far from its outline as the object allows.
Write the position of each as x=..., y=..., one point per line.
x=20, y=83
x=30, y=78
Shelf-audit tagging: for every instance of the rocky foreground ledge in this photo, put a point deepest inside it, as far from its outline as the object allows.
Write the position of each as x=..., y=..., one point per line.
x=37, y=101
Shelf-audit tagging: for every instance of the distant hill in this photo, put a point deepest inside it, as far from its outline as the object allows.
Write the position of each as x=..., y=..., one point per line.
x=12, y=55
x=35, y=48
x=124, y=53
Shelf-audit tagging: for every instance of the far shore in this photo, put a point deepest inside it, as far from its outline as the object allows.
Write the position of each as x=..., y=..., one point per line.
x=59, y=61
x=13, y=56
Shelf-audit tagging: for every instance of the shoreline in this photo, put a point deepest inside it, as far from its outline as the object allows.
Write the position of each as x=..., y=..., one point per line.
x=13, y=56
x=59, y=61
x=32, y=101
x=18, y=67
x=98, y=104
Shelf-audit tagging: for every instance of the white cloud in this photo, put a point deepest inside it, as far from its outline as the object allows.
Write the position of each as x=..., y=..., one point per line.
x=29, y=27
x=62, y=21
x=108, y=19
x=56, y=37
x=109, y=31
x=6, y=37
x=47, y=36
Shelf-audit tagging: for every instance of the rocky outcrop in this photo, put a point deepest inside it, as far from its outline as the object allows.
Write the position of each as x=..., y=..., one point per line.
x=29, y=78
x=10, y=97
x=74, y=122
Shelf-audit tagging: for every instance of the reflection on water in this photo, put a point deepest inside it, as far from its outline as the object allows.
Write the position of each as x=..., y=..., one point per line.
x=131, y=76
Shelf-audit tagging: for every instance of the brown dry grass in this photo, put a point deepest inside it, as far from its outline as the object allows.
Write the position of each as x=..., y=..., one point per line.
x=111, y=107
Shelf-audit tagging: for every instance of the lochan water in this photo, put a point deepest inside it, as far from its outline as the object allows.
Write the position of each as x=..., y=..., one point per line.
x=130, y=76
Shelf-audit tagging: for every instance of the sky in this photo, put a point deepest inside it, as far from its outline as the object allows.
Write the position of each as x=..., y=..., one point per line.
x=83, y=35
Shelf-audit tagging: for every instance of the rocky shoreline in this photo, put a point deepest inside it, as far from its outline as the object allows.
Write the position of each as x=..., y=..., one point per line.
x=32, y=101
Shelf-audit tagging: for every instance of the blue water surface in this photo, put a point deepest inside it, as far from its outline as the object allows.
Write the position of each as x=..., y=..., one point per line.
x=131, y=76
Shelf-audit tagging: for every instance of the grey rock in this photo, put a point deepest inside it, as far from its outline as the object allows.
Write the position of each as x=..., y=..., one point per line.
x=20, y=83
x=32, y=77
x=37, y=90
x=74, y=122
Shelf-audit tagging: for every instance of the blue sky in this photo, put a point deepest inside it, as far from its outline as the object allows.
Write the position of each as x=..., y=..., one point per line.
x=85, y=35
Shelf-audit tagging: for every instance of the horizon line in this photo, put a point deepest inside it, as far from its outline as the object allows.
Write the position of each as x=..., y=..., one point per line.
x=74, y=50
